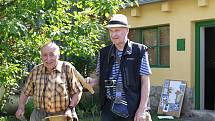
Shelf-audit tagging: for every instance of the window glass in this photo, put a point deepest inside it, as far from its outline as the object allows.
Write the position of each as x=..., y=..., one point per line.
x=158, y=41
x=164, y=36
x=150, y=37
x=152, y=54
x=134, y=35
x=164, y=55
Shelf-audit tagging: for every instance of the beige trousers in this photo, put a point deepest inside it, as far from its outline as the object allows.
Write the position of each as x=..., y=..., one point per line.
x=38, y=115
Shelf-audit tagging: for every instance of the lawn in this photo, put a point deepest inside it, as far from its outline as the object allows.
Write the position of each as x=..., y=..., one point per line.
x=9, y=118
x=96, y=118
x=12, y=118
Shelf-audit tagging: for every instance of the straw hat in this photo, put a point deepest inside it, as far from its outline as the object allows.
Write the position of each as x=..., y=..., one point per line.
x=118, y=20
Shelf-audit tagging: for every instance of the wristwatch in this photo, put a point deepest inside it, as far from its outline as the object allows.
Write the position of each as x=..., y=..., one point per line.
x=71, y=107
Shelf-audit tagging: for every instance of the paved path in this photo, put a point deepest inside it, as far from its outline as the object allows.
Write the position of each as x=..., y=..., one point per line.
x=198, y=115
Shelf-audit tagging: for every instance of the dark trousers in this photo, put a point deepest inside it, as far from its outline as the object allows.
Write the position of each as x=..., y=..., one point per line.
x=107, y=115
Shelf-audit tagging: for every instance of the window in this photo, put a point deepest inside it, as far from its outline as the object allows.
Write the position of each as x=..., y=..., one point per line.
x=157, y=39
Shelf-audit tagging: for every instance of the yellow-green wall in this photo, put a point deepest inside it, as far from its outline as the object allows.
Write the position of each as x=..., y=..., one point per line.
x=181, y=17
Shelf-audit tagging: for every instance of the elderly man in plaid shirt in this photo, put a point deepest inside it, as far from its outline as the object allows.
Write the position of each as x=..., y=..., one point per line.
x=53, y=85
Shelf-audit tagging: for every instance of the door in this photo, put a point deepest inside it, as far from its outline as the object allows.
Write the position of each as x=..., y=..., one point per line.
x=209, y=100
x=205, y=65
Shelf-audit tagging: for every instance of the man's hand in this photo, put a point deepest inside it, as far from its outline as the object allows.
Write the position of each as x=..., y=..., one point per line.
x=142, y=116
x=20, y=113
x=92, y=82
x=68, y=112
x=21, y=109
x=71, y=113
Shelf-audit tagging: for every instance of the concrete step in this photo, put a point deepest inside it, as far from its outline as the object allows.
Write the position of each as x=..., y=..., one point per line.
x=202, y=115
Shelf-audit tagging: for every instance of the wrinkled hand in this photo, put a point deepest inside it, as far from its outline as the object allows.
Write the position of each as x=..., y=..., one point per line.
x=92, y=82
x=68, y=112
x=20, y=113
x=144, y=116
x=139, y=117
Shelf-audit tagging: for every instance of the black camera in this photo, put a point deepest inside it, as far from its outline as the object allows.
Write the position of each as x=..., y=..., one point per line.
x=110, y=83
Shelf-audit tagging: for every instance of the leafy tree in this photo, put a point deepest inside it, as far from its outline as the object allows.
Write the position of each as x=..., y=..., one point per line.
x=25, y=25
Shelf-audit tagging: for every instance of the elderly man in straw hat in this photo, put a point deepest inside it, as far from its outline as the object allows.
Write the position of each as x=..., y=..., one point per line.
x=123, y=75
x=53, y=85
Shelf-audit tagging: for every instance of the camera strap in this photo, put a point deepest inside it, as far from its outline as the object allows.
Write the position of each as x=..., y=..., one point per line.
x=119, y=85
x=119, y=104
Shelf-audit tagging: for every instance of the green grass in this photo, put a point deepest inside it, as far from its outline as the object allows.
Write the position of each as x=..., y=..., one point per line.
x=12, y=118
x=95, y=118
x=153, y=114
x=90, y=119
x=9, y=118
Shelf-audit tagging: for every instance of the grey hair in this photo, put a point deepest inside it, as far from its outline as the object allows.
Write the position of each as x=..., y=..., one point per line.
x=53, y=45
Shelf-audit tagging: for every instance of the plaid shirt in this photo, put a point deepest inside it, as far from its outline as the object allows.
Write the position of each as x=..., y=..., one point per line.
x=51, y=91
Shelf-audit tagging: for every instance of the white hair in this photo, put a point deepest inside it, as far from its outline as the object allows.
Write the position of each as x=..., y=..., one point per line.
x=52, y=45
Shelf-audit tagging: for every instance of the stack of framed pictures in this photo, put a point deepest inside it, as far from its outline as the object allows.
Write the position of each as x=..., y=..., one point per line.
x=172, y=97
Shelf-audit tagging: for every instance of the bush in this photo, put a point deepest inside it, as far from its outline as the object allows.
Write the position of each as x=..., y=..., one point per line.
x=9, y=118
x=29, y=107
x=88, y=106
